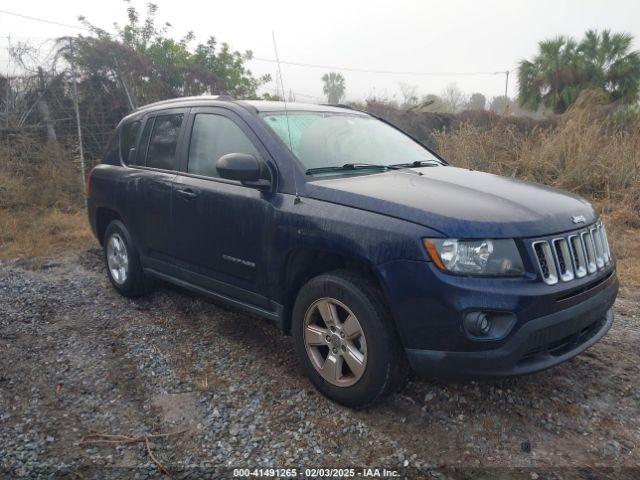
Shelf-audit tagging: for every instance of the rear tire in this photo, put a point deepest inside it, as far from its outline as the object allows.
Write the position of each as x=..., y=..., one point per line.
x=357, y=360
x=123, y=262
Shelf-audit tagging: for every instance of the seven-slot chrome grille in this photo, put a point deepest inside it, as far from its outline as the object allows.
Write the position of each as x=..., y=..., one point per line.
x=573, y=255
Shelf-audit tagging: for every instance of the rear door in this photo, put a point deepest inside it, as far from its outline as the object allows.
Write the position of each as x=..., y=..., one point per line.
x=222, y=228
x=150, y=184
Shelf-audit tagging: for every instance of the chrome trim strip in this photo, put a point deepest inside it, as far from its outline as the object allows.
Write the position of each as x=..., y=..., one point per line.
x=603, y=241
x=587, y=242
x=579, y=253
x=573, y=255
x=597, y=242
x=562, y=249
x=552, y=278
x=606, y=241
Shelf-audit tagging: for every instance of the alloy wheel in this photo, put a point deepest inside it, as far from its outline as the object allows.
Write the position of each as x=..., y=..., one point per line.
x=335, y=342
x=117, y=259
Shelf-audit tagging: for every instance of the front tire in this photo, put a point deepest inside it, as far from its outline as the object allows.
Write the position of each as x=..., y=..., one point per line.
x=345, y=339
x=123, y=262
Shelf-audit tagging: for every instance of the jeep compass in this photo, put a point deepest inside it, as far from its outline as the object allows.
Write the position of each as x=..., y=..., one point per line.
x=373, y=252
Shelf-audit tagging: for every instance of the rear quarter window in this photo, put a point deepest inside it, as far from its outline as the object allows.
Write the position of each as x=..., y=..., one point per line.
x=141, y=154
x=128, y=137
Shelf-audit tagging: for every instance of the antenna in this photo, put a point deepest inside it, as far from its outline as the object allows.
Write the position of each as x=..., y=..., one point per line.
x=286, y=113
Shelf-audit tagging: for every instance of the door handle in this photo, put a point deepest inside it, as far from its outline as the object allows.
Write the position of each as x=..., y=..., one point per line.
x=186, y=193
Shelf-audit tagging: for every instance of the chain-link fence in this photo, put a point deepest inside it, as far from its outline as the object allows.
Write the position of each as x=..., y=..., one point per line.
x=43, y=99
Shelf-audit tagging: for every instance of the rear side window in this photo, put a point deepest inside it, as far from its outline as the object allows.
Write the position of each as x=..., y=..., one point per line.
x=164, y=140
x=212, y=137
x=128, y=137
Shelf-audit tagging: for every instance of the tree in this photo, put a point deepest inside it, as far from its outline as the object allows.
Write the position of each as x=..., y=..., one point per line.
x=500, y=104
x=409, y=94
x=477, y=101
x=334, y=87
x=453, y=98
x=432, y=103
x=142, y=60
x=607, y=63
x=563, y=68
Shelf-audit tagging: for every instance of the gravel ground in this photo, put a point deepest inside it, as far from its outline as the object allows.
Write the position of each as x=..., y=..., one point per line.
x=76, y=358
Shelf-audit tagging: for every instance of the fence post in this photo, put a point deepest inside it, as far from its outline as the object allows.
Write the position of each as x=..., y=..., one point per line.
x=8, y=100
x=77, y=109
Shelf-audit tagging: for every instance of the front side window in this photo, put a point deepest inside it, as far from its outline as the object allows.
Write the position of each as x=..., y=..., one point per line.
x=128, y=137
x=164, y=141
x=212, y=137
x=326, y=139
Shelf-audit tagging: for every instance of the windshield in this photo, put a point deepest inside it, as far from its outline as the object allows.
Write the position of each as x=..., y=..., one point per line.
x=322, y=139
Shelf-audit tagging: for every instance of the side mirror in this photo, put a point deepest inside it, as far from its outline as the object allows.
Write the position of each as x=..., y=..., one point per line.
x=244, y=168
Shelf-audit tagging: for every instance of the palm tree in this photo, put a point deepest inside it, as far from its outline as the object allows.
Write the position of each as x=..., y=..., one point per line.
x=608, y=64
x=551, y=79
x=563, y=68
x=334, y=87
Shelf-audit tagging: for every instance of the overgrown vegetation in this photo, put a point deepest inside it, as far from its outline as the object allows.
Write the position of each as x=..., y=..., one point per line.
x=41, y=201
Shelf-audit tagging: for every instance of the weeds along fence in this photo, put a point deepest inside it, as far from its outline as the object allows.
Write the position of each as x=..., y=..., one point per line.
x=54, y=125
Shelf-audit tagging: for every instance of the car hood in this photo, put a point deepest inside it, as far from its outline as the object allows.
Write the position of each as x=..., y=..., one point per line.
x=459, y=203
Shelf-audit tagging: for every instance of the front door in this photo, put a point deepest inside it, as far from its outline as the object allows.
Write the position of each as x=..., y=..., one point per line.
x=221, y=228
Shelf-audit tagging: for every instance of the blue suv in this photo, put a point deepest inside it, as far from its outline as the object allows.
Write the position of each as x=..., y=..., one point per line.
x=367, y=247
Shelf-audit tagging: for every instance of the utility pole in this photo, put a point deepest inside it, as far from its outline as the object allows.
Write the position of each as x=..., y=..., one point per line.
x=506, y=92
x=77, y=109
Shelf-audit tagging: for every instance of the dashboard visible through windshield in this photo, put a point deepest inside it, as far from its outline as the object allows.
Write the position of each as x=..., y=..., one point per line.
x=326, y=140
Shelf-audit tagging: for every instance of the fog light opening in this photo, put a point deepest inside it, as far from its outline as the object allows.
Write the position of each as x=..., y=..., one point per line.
x=478, y=324
x=483, y=325
x=488, y=325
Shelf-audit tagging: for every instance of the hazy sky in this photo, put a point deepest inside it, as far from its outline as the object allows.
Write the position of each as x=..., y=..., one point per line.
x=400, y=35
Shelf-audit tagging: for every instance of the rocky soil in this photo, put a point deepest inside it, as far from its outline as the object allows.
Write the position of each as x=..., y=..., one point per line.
x=78, y=359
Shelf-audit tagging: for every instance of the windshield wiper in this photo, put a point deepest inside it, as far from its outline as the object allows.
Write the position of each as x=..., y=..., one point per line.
x=419, y=163
x=353, y=166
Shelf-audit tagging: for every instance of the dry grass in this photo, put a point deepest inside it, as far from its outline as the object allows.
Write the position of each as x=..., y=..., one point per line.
x=41, y=202
x=40, y=233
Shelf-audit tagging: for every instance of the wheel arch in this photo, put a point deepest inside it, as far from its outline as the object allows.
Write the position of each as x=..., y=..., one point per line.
x=303, y=264
x=104, y=216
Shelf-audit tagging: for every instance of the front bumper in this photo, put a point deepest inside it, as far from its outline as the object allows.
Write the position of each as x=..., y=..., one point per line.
x=538, y=344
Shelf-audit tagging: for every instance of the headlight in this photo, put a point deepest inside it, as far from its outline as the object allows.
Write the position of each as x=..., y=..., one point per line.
x=475, y=257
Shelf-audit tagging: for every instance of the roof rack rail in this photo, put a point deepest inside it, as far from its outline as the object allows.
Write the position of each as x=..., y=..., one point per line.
x=169, y=101
x=339, y=105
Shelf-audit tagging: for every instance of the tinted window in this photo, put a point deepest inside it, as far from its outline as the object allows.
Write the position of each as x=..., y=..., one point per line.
x=164, y=140
x=212, y=137
x=144, y=142
x=128, y=137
